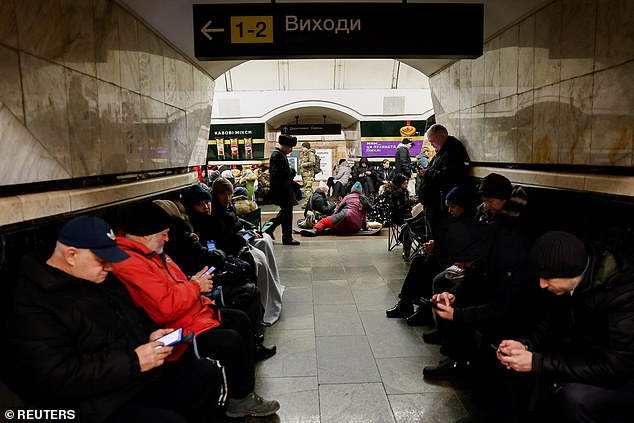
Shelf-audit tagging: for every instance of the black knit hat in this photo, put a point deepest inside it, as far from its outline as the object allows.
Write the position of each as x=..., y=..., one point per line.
x=145, y=218
x=495, y=186
x=287, y=140
x=194, y=195
x=559, y=254
x=461, y=195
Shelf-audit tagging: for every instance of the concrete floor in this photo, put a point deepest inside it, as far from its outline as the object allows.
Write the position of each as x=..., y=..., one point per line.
x=339, y=358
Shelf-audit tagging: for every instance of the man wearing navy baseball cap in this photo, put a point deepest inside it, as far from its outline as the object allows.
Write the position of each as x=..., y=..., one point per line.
x=75, y=342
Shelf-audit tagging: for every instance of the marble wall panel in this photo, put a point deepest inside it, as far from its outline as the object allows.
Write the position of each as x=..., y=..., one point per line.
x=546, y=124
x=451, y=121
x=8, y=26
x=434, y=90
x=507, y=129
x=464, y=130
x=170, y=63
x=83, y=118
x=509, y=53
x=151, y=78
x=79, y=35
x=112, y=142
x=492, y=119
x=133, y=130
x=19, y=146
x=107, y=51
x=46, y=104
x=177, y=134
x=129, y=56
x=615, y=33
x=575, y=132
x=613, y=116
x=450, y=88
x=526, y=55
x=476, y=145
x=492, y=70
x=524, y=120
x=39, y=25
x=547, y=45
x=10, y=82
x=155, y=119
x=477, y=81
x=466, y=99
x=577, y=37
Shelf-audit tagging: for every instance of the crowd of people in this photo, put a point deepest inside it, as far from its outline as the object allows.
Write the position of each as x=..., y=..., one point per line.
x=89, y=325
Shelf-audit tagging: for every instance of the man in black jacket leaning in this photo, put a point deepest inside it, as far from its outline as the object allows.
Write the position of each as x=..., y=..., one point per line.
x=281, y=192
x=447, y=169
x=402, y=158
x=77, y=343
x=595, y=362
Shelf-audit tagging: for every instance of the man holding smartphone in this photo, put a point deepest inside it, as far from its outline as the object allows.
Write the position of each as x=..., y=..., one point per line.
x=588, y=350
x=76, y=342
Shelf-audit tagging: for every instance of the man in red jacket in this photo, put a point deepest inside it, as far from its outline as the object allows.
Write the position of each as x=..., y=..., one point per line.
x=158, y=285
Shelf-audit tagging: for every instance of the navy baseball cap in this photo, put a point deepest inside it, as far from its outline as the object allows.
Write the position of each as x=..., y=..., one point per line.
x=92, y=233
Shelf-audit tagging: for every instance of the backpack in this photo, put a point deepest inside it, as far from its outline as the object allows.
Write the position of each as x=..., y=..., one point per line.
x=317, y=168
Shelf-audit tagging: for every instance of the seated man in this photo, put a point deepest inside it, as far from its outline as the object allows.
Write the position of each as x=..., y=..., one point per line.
x=591, y=353
x=77, y=343
x=159, y=286
x=229, y=229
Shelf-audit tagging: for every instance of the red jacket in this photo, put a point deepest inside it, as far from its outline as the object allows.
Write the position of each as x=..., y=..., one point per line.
x=164, y=292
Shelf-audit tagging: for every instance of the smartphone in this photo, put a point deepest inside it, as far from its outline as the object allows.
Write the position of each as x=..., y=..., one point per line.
x=210, y=270
x=171, y=338
x=248, y=236
x=430, y=303
x=211, y=245
x=495, y=347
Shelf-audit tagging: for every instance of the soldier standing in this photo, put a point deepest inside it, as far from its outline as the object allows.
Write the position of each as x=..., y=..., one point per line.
x=307, y=169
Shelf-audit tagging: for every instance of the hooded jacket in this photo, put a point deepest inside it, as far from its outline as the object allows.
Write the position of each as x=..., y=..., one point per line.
x=599, y=326
x=342, y=173
x=320, y=204
x=72, y=342
x=350, y=215
x=158, y=285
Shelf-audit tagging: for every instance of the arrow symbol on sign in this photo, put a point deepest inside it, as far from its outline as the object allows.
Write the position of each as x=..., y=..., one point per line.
x=207, y=30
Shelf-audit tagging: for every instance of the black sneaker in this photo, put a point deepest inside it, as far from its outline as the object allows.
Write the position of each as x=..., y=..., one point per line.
x=291, y=242
x=308, y=232
x=262, y=352
x=447, y=369
x=401, y=309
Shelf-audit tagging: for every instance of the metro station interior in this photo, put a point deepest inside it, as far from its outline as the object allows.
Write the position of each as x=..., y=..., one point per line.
x=103, y=103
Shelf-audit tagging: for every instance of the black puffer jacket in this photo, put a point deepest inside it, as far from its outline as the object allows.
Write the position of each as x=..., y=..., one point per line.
x=447, y=169
x=403, y=161
x=600, y=350
x=72, y=343
x=320, y=204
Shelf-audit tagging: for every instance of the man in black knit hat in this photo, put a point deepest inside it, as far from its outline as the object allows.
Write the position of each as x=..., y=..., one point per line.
x=587, y=350
x=281, y=192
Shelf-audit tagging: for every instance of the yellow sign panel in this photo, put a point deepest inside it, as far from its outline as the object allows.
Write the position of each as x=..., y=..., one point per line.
x=251, y=29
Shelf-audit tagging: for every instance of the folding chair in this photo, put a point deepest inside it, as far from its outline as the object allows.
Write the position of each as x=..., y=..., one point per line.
x=393, y=232
x=419, y=232
x=255, y=217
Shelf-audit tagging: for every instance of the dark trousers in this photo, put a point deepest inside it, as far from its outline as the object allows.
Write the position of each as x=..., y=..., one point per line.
x=581, y=403
x=285, y=218
x=338, y=189
x=187, y=391
x=231, y=343
x=418, y=282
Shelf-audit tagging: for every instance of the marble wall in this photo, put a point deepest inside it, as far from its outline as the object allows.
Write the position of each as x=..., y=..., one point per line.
x=555, y=88
x=87, y=89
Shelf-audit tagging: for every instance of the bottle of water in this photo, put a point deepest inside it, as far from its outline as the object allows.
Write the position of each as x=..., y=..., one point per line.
x=211, y=245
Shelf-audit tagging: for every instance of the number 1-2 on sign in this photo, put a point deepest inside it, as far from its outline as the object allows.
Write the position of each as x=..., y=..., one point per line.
x=251, y=29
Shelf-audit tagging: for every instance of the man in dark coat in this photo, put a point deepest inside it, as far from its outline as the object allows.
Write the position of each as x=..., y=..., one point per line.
x=447, y=169
x=281, y=192
x=589, y=349
x=78, y=344
x=403, y=160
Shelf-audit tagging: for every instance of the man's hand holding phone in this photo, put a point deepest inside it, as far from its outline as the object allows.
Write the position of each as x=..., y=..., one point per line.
x=443, y=305
x=204, y=278
x=154, y=353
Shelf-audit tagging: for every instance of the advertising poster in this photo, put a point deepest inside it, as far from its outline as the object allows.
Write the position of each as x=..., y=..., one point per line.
x=236, y=142
x=325, y=154
x=380, y=139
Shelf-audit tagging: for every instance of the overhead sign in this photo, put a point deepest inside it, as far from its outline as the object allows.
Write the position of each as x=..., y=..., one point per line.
x=312, y=129
x=319, y=30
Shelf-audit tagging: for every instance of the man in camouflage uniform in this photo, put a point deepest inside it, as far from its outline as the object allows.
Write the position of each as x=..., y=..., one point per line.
x=307, y=169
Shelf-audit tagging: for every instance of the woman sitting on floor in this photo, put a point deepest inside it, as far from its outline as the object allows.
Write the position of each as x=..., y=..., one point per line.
x=349, y=216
